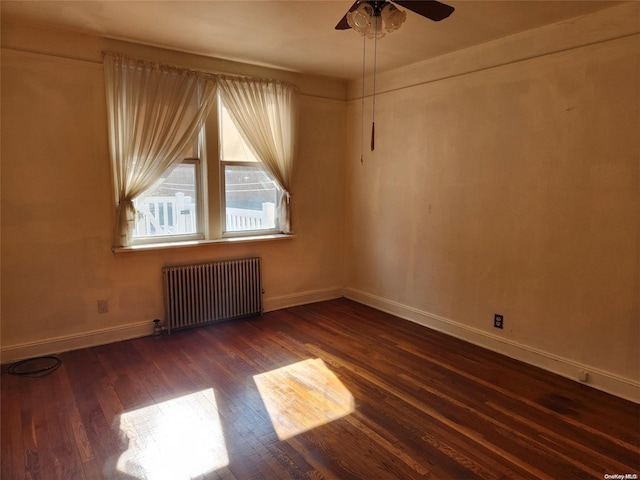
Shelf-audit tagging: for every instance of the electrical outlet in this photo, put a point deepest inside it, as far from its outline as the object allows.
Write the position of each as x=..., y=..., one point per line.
x=103, y=306
x=498, y=320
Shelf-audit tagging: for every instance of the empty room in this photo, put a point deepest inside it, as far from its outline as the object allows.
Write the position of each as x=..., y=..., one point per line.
x=389, y=239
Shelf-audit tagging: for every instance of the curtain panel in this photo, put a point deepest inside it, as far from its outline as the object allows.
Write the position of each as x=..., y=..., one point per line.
x=265, y=113
x=155, y=112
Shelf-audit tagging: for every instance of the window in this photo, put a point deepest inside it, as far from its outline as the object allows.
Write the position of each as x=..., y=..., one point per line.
x=251, y=196
x=170, y=207
x=182, y=204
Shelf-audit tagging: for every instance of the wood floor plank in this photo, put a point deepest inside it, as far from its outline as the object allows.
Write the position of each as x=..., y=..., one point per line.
x=12, y=463
x=64, y=459
x=34, y=430
x=332, y=390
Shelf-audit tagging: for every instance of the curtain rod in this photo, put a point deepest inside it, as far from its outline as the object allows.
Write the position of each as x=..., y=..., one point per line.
x=181, y=68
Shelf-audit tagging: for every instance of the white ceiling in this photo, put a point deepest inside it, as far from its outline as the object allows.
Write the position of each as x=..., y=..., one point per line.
x=297, y=35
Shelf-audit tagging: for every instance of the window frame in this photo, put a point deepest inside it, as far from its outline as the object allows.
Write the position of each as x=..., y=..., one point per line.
x=223, y=197
x=222, y=164
x=210, y=189
x=199, y=199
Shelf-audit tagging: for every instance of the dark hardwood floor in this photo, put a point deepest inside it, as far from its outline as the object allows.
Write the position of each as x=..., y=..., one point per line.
x=333, y=390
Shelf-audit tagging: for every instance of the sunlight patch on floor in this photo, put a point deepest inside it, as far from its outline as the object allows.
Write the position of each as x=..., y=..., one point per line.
x=177, y=439
x=303, y=396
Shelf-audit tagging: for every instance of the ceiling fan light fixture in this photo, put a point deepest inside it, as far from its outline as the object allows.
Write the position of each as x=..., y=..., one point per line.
x=360, y=18
x=392, y=17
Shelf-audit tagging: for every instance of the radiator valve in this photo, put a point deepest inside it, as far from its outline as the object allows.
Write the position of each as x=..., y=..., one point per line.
x=157, y=329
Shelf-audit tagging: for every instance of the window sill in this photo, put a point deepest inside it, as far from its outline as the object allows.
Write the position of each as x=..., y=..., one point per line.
x=150, y=247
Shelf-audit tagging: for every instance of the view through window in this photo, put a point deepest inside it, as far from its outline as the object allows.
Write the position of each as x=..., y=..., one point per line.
x=170, y=206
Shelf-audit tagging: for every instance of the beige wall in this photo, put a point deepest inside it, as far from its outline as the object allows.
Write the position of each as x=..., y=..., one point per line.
x=57, y=208
x=510, y=187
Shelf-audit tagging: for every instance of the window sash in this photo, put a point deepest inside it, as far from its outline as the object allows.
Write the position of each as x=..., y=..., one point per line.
x=169, y=216
x=231, y=224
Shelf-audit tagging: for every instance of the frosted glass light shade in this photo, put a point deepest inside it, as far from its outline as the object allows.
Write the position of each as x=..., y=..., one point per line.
x=360, y=18
x=392, y=17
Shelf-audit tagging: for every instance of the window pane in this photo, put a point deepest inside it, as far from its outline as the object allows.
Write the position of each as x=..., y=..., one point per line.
x=251, y=199
x=232, y=146
x=169, y=207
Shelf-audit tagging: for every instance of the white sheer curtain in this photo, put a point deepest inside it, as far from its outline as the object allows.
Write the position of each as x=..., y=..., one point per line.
x=264, y=112
x=154, y=113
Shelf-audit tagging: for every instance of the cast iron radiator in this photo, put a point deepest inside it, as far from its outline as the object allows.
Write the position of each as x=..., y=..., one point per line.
x=209, y=292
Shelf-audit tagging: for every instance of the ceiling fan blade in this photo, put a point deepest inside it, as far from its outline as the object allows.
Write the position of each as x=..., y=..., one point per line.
x=342, y=24
x=431, y=9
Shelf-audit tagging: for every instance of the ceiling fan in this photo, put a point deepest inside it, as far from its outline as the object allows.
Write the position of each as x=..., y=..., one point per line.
x=362, y=11
x=372, y=18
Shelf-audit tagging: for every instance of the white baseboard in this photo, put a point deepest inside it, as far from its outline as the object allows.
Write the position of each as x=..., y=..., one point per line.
x=50, y=346
x=605, y=381
x=66, y=343
x=295, y=299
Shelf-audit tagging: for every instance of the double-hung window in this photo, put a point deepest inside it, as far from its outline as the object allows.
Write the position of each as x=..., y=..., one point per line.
x=250, y=195
x=175, y=207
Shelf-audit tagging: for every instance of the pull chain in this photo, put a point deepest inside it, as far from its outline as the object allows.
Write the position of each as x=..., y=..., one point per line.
x=375, y=59
x=364, y=57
